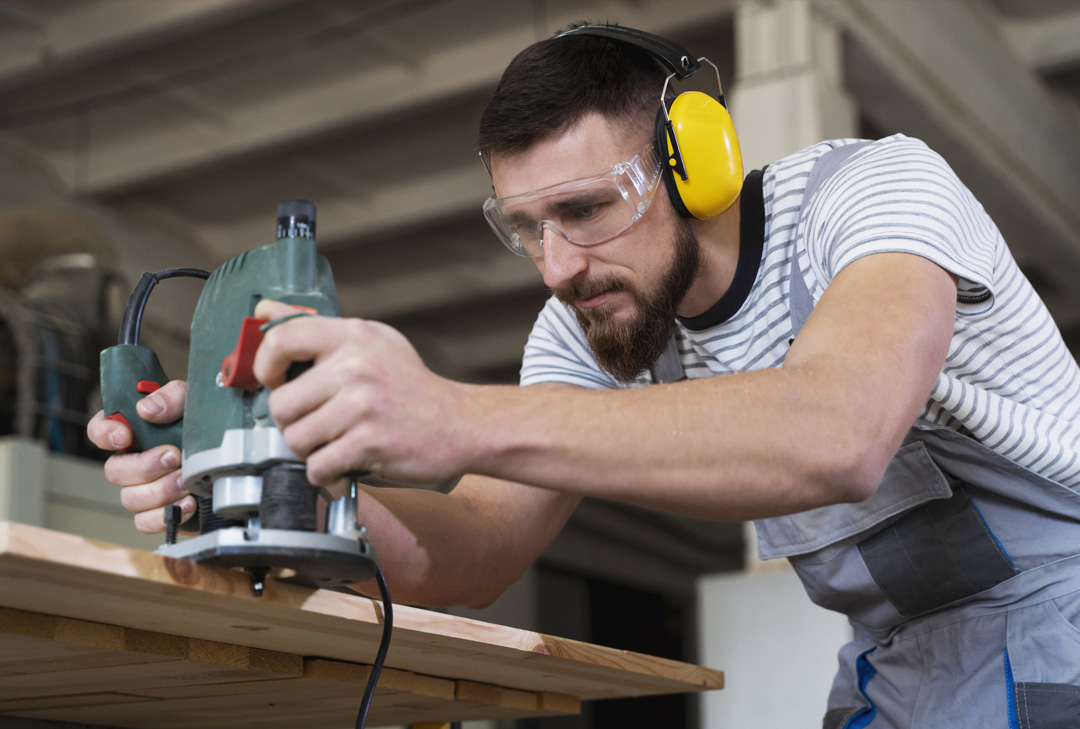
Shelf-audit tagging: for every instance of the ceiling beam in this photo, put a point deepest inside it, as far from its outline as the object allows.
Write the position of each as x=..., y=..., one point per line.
x=27, y=15
x=1046, y=43
x=346, y=218
x=330, y=105
x=181, y=96
x=944, y=69
x=434, y=288
x=424, y=289
x=93, y=32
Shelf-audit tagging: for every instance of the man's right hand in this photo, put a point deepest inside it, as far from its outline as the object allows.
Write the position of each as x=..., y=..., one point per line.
x=151, y=480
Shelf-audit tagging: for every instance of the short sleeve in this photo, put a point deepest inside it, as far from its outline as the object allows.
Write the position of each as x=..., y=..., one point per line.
x=898, y=195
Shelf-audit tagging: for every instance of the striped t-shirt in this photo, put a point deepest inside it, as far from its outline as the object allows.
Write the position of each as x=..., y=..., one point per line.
x=1008, y=380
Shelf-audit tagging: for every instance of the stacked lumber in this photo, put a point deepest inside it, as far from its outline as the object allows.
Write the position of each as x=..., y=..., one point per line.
x=66, y=670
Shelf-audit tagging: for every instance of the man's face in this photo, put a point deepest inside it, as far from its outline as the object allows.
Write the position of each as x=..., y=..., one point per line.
x=624, y=291
x=628, y=345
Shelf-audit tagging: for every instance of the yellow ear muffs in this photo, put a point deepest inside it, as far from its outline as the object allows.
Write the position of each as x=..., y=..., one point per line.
x=702, y=164
x=703, y=169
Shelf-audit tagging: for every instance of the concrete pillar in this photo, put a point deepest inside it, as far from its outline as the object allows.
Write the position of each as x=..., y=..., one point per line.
x=788, y=91
x=22, y=481
x=788, y=94
x=759, y=625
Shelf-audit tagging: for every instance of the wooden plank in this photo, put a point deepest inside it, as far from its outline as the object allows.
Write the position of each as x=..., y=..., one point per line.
x=9, y=707
x=182, y=662
x=35, y=643
x=328, y=694
x=195, y=683
x=480, y=693
x=558, y=704
x=59, y=573
x=272, y=704
x=479, y=701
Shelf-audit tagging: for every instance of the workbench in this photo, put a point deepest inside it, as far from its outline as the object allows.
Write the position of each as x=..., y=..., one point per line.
x=97, y=634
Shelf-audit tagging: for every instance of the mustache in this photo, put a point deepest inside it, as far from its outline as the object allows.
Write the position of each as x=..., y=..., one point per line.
x=590, y=287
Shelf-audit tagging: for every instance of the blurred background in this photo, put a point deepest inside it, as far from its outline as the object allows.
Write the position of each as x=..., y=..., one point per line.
x=136, y=136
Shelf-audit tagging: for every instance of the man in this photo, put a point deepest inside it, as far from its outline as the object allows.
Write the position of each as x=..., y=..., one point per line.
x=950, y=544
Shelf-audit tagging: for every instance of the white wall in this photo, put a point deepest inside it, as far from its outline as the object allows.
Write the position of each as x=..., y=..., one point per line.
x=64, y=493
x=776, y=648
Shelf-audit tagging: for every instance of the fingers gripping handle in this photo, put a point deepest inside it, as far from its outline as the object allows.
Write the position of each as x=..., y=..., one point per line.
x=296, y=368
x=128, y=372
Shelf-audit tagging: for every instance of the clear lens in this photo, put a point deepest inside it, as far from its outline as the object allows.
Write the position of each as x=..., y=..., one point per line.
x=586, y=212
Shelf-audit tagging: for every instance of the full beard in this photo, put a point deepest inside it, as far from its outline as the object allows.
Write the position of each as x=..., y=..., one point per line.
x=625, y=347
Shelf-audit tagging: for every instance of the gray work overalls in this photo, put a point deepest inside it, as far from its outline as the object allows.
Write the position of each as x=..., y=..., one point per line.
x=960, y=576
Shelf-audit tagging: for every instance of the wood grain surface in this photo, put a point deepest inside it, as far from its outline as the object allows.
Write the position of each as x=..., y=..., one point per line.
x=129, y=629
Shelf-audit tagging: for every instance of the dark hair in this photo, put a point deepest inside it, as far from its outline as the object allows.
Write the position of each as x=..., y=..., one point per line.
x=552, y=84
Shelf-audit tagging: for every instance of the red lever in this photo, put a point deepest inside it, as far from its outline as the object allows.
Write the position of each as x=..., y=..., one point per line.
x=145, y=387
x=119, y=417
x=237, y=369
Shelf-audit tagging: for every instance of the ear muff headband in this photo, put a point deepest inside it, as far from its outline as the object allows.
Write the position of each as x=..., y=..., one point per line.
x=704, y=172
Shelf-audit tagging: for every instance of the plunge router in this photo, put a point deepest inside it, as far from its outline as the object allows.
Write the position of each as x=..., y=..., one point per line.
x=257, y=509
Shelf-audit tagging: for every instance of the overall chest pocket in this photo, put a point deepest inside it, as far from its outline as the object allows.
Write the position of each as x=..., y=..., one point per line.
x=939, y=552
x=918, y=544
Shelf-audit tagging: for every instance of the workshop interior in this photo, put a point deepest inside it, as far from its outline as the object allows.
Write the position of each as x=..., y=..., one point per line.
x=145, y=137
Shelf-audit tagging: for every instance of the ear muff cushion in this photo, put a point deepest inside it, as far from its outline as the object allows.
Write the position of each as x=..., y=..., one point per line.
x=710, y=153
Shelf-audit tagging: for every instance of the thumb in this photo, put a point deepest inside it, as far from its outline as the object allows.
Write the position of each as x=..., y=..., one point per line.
x=269, y=309
x=164, y=405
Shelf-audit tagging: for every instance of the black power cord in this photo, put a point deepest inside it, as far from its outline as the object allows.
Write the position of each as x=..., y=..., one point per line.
x=133, y=312
x=380, y=655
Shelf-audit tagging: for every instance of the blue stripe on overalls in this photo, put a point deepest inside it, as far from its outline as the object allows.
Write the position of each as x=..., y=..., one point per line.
x=865, y=671
x=1010, y=694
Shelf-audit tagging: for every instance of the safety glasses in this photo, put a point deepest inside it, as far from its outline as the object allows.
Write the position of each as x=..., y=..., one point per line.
x=586, y=211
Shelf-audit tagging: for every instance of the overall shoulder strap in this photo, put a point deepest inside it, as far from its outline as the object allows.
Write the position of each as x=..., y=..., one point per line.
x=802, y=303
x=669, y=367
